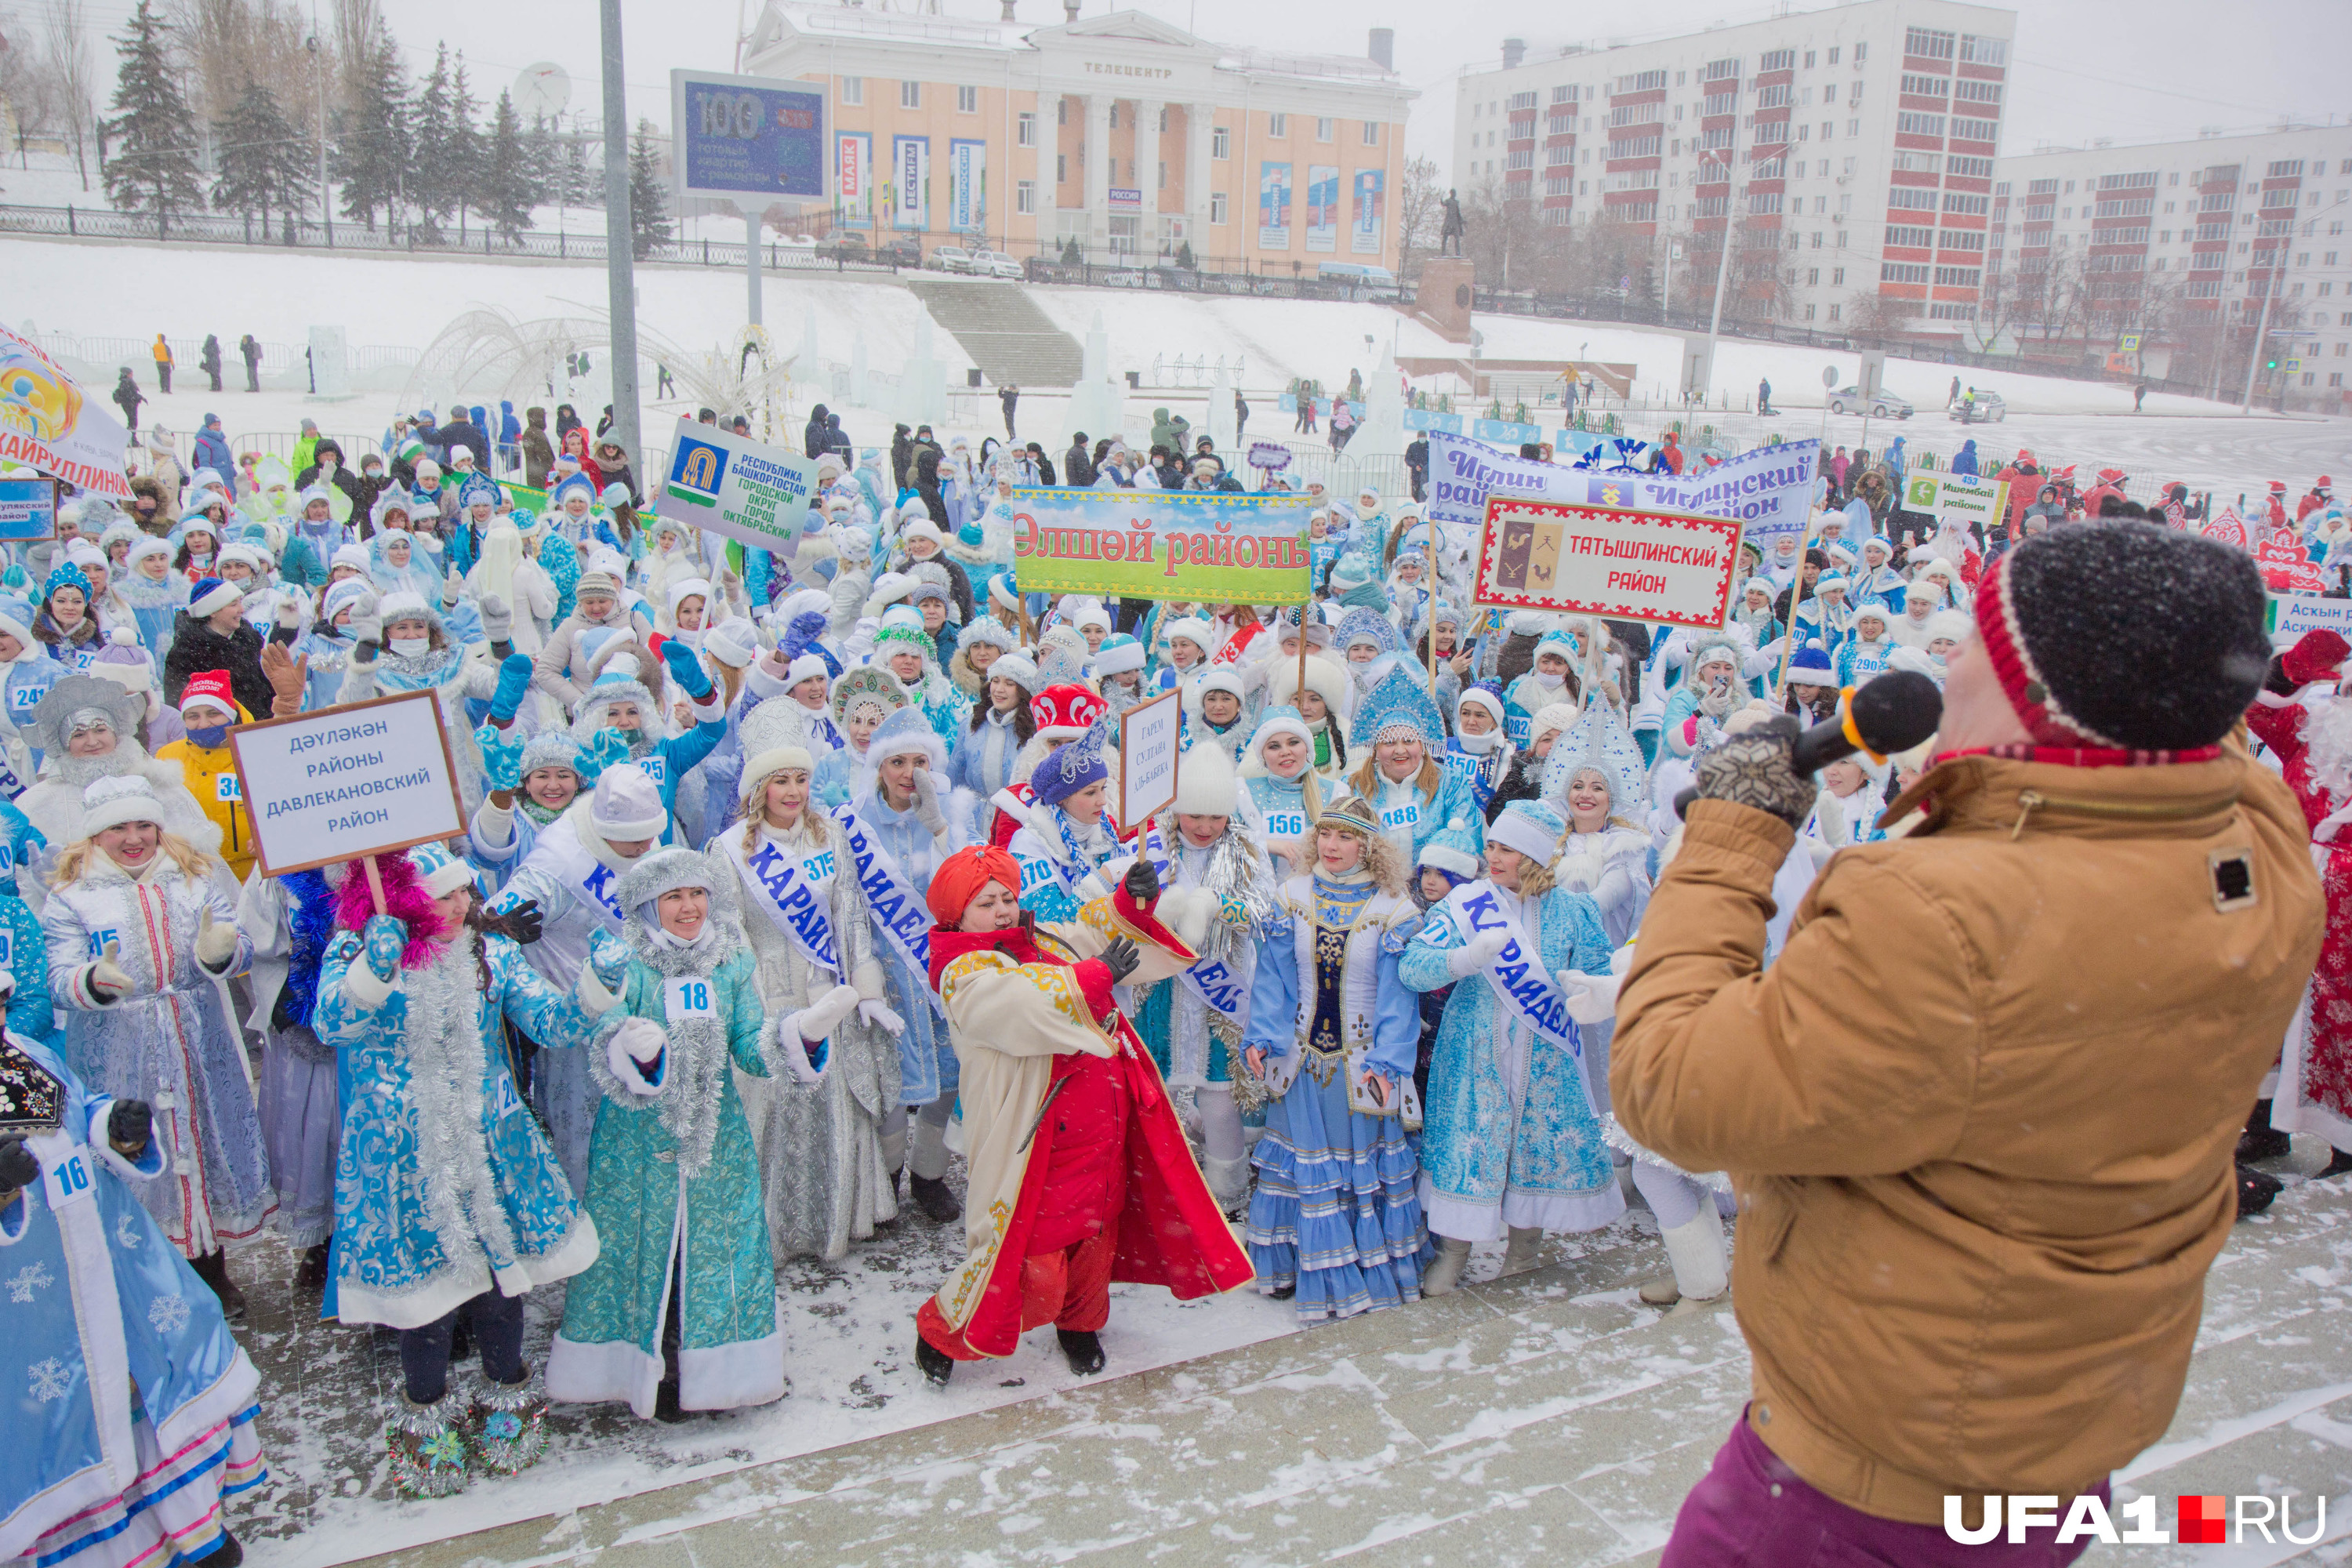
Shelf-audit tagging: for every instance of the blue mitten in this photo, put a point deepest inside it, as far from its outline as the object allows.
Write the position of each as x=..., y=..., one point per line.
x=807, y=628
x=514, y=680
x=600, y=752
x=386, y=939
x=685, y=670
x=609, y=956
x=501, y=754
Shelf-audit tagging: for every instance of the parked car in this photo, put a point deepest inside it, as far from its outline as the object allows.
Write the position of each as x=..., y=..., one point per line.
x=847, y=246
x=1885, y=405
x=948, y=258
x=1988, y=409
x=901, y=250
x=991, y=264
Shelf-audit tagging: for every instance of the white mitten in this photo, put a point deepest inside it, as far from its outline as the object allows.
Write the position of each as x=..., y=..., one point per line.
x=107, y=981
x=927, y=804
x=637, y=1055
x=1477, y=954
x=880, y=1014
x=804, y=1060
x=216, y=943
x=871, y=986
x=819, y=1019
x=1592, y=998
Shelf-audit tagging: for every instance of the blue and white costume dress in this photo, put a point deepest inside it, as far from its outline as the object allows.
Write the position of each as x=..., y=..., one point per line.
x=1336, y=1215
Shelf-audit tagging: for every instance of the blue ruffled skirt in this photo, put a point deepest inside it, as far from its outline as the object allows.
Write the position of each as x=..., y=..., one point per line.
x=1334, y=1212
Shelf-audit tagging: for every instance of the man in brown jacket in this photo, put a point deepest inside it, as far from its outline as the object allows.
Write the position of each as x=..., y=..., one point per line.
x=1980, y=1112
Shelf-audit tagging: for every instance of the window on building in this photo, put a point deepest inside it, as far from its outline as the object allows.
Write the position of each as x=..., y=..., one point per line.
x=1025, y=131
x=1278, y=125
x=1024, y=196
x=1220, y=143
x=1834, y=310
x=1323, y=128
x=1853, y=126
x=1061, y=168
x=1164, y=174
x=1833, y=57
x=1861, y=53
x=1113, y=114
x=967, y=100
x=1808, y=59
x=1372, y=132
x=910, y=95
x=1163, y=120
x=1216, y=206
x=1817, y=240
x=853, y=90
x=1061, y=111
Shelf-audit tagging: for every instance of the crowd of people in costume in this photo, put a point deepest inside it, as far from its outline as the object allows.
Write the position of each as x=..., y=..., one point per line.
x=787, y=879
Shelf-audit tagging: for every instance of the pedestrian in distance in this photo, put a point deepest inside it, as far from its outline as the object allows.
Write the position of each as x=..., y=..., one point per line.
x=1008, y=395
x=251, y=350
x=163, y=353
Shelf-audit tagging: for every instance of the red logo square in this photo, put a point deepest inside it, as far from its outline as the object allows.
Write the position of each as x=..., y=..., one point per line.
x=2203, y=1520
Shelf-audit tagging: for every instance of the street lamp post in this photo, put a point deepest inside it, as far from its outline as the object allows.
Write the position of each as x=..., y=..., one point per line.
x=620, y=236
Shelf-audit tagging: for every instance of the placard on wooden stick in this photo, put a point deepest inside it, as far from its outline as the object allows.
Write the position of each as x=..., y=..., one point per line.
x=1666, y=568
x=359, y=779
x=1149, y=734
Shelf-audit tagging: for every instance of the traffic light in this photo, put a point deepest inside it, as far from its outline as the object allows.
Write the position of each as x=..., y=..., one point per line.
x=2271, y=363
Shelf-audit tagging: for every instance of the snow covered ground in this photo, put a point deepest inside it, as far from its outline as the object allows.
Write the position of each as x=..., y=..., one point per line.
x=101, y=288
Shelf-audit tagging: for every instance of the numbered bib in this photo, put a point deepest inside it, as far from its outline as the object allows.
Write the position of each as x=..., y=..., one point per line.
x=1285, y=825
x=818, y=869
x=1406, y=816
x=98, y=941
x=654, y=767
x=507, y=1103
x=686, y=998
x=228, y=786
x=68, y=1181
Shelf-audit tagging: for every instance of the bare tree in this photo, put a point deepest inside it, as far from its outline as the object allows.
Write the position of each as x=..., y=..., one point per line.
x=1503, y=230
x=65, y=49
x=1420, y=211
x=1874, y=315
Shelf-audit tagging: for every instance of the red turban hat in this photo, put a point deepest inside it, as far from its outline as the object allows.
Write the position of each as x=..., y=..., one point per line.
x=963, y=874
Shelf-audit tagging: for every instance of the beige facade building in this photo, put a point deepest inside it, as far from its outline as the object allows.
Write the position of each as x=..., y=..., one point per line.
x=1122, y=133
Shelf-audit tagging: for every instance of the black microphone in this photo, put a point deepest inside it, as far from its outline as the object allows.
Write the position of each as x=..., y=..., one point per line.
x=1892, y=712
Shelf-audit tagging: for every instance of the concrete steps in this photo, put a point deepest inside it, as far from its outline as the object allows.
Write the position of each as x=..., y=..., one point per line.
x=1011, y=340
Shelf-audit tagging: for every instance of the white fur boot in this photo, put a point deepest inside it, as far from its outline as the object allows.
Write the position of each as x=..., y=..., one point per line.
x=1443, y=1275
x=1527, y=1241
x=1229, y=1181
x=1694, y=1247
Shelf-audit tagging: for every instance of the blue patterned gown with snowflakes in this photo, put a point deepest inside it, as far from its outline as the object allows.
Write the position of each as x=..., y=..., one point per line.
x=443, y=1182
x=131, y=1407
x=1511, y=1139
x=1335, y=1213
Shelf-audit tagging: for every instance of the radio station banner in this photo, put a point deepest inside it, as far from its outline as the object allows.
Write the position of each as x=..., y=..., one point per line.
x=1322, y=206
x=49, y=423
x=853, y=178
x=1982, y=503
x=1274, y=207
x=967, y=186
x=1364, y=234
x=1163, y=544
x=910, y=176
x=1664, y=567
x=1768, y=491
x=748, y=136
x=751, y=493
x=362, y=778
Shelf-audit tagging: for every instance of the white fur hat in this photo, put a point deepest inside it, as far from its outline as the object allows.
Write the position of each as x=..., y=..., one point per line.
x=404, y=604
x=734, y=642
x=1206, y=783
x=805, y=666
x=922, y=526
x=1018, y=668
x=1118, y=660
x=627, y=805
x=111, y=802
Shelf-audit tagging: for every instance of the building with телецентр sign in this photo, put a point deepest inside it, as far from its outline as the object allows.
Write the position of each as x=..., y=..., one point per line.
x=1121, y=133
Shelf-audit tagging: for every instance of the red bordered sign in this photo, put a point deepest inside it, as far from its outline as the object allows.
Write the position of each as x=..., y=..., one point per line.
x=1670, y=567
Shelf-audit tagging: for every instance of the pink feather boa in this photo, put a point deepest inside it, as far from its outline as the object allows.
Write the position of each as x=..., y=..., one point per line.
x=406, y=899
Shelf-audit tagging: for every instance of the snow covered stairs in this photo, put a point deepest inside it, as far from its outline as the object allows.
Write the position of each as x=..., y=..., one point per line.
x=1548, y=1418
x=1012, y=341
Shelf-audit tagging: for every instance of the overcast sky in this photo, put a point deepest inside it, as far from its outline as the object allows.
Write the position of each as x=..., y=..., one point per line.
x=2150, y=70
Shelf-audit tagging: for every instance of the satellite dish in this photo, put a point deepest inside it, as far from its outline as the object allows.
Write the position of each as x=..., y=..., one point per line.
x=541, y=91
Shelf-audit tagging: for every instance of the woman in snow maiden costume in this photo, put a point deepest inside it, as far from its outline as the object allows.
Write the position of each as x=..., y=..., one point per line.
x=1288, y=794
x=1216, y=893
x=679, y=1312
x=1595, y=774
x=817, y=1129
x=133, y=1407
x=893, y=834
x=1478, y=752
x=1512, y=1141
x=446, y=1196
x=290, y=921
x=1332, y=1033
x=139, y=938
x=1398, y=736
x=1069, y=837
x=1103, y=1189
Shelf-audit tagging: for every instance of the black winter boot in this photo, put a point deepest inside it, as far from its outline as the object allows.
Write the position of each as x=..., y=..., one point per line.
x=936, y=1364
x=2261, y=1140
x=2256, y=1189
x=935, y=1198
x=212, y=1270
x=1083, y=1350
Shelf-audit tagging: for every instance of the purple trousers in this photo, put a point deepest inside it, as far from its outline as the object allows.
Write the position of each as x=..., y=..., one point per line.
x=1752, y=1511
